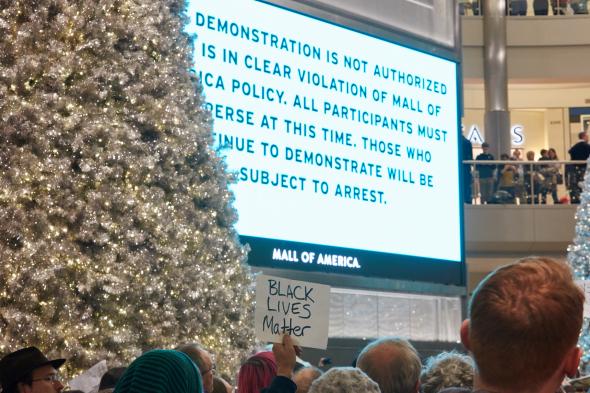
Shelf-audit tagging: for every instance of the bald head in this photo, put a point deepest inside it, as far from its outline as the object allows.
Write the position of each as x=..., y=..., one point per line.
x=203, y=360
x=304, y=377
x=393, y=363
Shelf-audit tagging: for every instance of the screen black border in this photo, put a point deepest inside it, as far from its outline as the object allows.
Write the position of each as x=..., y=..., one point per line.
x=377, y=264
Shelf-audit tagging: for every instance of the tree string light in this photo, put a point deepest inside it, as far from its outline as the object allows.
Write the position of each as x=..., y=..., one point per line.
x=116, y=225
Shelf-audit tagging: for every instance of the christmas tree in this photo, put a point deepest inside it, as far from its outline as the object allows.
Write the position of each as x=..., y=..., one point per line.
x=116, y=225
x=579, y=259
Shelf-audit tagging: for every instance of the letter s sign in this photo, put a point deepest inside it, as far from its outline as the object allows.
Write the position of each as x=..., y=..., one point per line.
x=517, y=134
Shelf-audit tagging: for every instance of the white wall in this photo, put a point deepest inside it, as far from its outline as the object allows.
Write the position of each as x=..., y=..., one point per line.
x=527, y=96
x=539, y=48
x=550, y=100
x=535, y=126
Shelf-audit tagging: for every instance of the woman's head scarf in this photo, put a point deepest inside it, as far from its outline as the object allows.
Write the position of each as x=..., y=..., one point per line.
x=161, y=371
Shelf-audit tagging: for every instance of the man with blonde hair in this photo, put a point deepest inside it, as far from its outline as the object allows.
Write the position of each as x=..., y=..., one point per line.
x=523, y=327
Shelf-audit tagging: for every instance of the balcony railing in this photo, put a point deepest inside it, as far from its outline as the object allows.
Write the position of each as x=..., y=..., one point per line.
x=524, y=7
x=523, y=182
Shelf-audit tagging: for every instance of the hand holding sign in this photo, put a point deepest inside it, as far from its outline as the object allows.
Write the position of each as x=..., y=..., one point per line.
x=295, y=308
x=286, y=356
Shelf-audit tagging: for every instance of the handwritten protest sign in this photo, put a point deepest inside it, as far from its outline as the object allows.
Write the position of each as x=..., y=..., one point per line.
x=300, y=309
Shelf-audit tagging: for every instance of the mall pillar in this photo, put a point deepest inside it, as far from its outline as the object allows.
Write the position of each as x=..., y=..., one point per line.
x=497, y=117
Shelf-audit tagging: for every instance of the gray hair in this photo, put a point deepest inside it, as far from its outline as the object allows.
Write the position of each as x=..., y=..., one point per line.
x=344, y=380
x=447, y=369
x=195, y=352
x=393, y=363
x=304, y=377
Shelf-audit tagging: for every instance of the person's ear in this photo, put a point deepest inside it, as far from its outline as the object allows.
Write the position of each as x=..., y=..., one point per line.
x=572, y=361
x=23, y=388
x=417, y=390
x=465, y=334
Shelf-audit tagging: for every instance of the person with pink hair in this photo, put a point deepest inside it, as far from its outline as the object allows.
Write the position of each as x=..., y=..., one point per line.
x=257, y=373
x=269, y=372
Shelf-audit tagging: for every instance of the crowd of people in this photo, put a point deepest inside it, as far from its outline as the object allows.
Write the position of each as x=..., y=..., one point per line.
x=527, y=181
x=520, y=7
x=521, y=333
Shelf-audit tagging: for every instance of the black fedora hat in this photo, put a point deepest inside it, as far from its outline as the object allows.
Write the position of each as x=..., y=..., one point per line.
x=16, y=365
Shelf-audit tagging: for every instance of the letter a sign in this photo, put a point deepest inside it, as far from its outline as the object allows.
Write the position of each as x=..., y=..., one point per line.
x=474, y=135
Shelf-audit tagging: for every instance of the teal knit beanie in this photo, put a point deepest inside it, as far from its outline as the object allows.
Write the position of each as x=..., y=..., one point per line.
x=161, y=371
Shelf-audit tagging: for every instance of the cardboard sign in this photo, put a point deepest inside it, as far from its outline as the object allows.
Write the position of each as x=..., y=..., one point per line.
x=89, y=380
x=297, y=308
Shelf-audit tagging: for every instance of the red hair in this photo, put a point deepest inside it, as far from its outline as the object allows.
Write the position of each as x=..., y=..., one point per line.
x=524, y=318
x=257, y=373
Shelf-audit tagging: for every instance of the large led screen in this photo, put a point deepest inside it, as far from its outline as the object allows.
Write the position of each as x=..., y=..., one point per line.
x=344, y=145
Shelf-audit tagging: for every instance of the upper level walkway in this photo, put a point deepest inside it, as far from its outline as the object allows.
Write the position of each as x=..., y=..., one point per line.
x=521, y=206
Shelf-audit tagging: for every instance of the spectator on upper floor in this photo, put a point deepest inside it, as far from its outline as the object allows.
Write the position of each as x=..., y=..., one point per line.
x=551, y=173
x=516, y=155
x=532, y=185
x=541, y=7
x=507, y=177
x=467, y=152
x=575, y=173
x=486, y=174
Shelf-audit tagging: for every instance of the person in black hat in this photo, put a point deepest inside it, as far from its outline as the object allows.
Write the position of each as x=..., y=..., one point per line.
x=29, y=371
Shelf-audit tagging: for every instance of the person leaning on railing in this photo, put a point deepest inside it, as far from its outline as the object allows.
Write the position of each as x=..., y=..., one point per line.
x=575, y=173
x=551, y=175
x=486, y=174
x=506, y=177
x=531, y=184
x=544, y=174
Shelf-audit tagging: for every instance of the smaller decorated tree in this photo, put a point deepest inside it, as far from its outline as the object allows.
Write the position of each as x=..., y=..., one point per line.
x=579, y=260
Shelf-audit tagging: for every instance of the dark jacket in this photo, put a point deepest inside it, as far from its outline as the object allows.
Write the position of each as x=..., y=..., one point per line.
x=280, y=385
x=485, y=171
x=579, y=151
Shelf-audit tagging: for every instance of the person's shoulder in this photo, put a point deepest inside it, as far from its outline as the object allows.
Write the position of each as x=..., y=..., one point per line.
x=580, y=145
x=280, y=384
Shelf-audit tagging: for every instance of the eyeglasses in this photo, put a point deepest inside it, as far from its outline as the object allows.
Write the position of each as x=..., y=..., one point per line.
x=212, y=369
x=49, y=378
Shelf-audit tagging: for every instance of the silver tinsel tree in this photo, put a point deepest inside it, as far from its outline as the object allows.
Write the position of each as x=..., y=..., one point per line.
x=579, y=260
x=116, y=226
